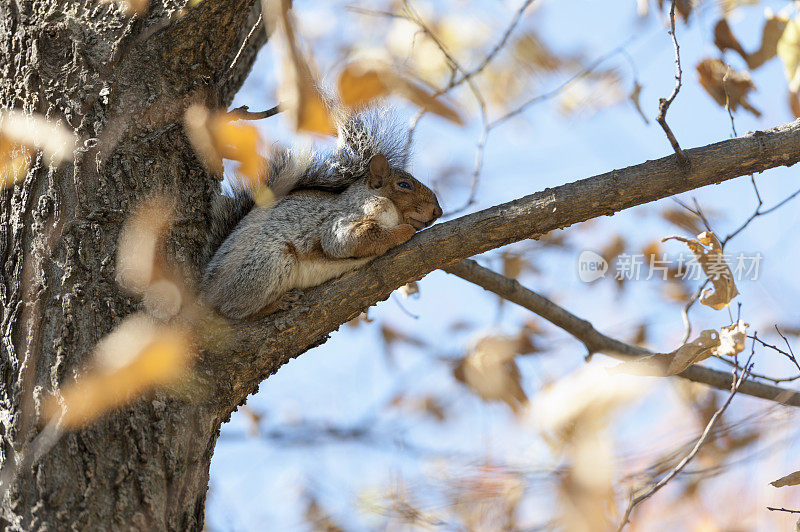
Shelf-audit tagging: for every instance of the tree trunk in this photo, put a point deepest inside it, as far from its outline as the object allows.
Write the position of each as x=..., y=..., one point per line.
x=122, y=84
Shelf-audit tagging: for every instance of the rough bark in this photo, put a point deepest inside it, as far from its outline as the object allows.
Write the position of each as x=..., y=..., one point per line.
x=122, y=85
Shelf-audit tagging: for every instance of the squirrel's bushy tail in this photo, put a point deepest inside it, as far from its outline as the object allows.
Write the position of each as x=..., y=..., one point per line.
x=361, y=135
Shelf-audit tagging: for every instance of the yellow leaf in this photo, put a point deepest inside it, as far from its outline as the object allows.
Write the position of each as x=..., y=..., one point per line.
x=14, y=162
x=131, y=7
x=301, y=100
x=358, y=87
x=218, y=135
x=788, y=49
x=133, y=359
x=365, y=80
x=792, y=479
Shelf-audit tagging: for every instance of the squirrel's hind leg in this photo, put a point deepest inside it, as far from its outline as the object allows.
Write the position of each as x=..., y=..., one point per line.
x=246, y=288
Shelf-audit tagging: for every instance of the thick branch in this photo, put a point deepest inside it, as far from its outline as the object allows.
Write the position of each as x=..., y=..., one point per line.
x=597, y=342
x=259, y=348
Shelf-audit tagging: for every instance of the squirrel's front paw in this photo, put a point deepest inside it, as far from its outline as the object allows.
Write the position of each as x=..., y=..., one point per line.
x=403, y=233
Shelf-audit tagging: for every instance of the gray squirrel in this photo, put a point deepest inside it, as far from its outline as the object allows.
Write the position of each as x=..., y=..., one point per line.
x=333, y=213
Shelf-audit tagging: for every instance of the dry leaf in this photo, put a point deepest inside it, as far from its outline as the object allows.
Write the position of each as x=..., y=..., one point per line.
x=364, y=80
x=708, y=252
x=491, y=371
x=634, y=97
x=512, y=264
x=725, y=40
x=794, y=104
x=774, y=27
x=217, y=135
x=693, y=352
x=131, y=360
x=728, y=87
x=533, y=52
x=683, y=219
x=20, y=135
x=301, y=100
x=793, y=479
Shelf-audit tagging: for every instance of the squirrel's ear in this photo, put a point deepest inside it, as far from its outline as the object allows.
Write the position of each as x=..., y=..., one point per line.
x=378, y=171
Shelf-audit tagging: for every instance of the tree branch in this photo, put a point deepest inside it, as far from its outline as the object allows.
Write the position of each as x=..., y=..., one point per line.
x=597, y=342
x=257, y=348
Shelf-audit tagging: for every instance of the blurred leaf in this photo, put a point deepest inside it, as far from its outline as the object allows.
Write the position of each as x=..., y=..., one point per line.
x=36, y=132
x=532, y=51
x=728, y=87
x=490, y=370
x=362, y=81
x=138, y=259
x=217, y=135
x=21, y=135
x=409, y=289
x=131, y=360
x=792, y=479
x=708, y=252
x=788, y=49
x=130, y=7
x=14, y=162
x=725, y=40
x=513, y=264
x=683, y=219
x=774, y=27
x=634, y=97
x=591, y=92
x=299, y=95
x=682, y=7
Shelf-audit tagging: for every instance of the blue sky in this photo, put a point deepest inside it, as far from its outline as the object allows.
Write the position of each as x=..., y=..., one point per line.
x=257, y=483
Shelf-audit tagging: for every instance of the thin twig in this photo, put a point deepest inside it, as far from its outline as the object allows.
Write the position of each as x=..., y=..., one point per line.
x=635, y=501
x=772, y=509
x=664, y=103
x=243, y=113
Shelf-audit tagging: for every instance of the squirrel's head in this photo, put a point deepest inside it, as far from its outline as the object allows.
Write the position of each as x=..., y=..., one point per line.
x=416, y=203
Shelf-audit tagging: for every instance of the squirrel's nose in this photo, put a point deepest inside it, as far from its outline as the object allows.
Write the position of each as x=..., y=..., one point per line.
x=437, y=211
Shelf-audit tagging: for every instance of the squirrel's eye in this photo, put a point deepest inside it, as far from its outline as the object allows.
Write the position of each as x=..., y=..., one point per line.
x=405, y=184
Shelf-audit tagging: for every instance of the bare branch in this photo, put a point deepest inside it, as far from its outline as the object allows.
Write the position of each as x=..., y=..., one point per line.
x=664, y=103
x=597, y=342
x=259, y=347
x=737, y=382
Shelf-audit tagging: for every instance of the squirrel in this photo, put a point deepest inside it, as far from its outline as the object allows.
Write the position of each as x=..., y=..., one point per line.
x=333, y=213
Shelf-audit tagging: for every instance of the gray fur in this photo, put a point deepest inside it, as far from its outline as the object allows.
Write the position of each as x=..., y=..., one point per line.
x=303, y=240
x=360, y=137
